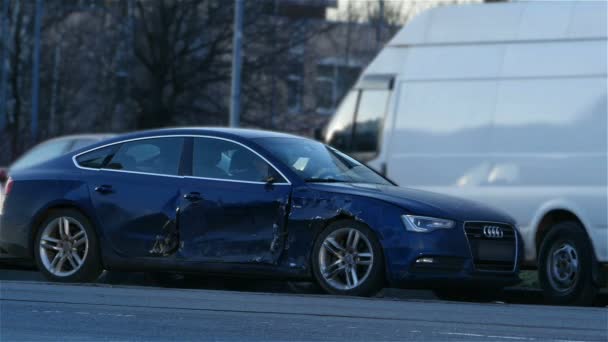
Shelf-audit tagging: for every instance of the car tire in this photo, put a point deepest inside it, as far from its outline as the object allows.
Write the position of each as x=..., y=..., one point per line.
x=70, y=255
x=348, y=260
x=565, y=266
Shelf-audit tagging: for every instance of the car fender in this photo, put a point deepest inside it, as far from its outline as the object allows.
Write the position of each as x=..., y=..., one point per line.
x=76, y=198
x=312, y=211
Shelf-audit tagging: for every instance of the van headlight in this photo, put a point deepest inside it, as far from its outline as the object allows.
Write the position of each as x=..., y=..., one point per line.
x=424, y=224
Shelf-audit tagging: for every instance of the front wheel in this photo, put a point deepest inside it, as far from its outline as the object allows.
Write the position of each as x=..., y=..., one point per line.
x=348, y=260
x=66, y=248
x=565, y=266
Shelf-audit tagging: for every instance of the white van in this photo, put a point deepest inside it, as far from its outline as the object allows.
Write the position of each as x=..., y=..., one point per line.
x=504, y=104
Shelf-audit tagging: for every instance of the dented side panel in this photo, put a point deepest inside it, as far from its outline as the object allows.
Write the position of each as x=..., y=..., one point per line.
x=138, y=213
x=312, y=210
x=233, y=222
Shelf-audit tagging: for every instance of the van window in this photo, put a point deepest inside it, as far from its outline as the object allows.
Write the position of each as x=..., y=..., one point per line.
x=340, y=128
x=369, y=120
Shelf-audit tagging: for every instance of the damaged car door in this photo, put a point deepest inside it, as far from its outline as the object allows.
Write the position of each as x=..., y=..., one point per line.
x=136, y=193
x=235, y=205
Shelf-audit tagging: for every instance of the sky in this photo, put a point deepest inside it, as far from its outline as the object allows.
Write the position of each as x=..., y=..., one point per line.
x=409, y=7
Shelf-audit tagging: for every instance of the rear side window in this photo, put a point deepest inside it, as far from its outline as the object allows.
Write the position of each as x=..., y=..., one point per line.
x=156, y=156
x=96, y=159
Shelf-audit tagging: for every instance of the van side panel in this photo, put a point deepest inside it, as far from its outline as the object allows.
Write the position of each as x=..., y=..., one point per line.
x=504, y=104
x=439, y=139
x=521, y=126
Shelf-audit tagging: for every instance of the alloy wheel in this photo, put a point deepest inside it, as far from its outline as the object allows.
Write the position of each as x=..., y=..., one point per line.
x=64, y=246
x=563, y=267
x=345, y=258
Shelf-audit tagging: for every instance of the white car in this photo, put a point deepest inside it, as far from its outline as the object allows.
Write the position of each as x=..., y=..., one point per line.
x=504, y=104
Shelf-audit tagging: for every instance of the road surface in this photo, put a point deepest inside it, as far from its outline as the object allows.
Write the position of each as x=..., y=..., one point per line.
x=42, y=311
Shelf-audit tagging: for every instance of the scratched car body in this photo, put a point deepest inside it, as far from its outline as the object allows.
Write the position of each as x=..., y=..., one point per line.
x=247, y=202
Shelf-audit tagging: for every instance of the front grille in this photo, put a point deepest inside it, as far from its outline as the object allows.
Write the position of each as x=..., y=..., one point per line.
x=492, y=252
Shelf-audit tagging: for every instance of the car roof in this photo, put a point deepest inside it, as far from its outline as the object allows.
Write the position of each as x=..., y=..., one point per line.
x=213, y=131
x=92, y=136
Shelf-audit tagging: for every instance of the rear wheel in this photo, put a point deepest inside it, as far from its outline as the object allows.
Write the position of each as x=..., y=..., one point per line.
x=565, y=266
x=66, y=248
x=347, y=260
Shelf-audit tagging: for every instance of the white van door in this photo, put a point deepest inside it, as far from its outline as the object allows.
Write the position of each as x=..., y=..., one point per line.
x=441, y=136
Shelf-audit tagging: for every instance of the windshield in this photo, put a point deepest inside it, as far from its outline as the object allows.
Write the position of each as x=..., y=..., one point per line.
x=315, y=162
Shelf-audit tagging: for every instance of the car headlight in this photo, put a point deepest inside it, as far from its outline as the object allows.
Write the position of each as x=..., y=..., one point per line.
x=423, y=224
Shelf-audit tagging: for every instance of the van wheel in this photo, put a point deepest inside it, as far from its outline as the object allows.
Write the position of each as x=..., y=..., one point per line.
x=66, y=248
x=348, y=260
x=565, y=262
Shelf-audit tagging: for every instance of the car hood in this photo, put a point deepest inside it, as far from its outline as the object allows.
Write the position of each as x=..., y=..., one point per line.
x=419, y=202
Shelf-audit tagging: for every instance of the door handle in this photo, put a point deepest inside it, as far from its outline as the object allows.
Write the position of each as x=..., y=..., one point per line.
x=193, y=196
x=104, y=189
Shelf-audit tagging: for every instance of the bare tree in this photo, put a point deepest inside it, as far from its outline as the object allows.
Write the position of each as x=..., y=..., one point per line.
x=18, y=66
x=105, y=67
x=183, y=49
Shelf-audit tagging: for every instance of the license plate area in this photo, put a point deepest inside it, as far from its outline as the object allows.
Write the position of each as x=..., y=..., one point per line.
x=492, y=254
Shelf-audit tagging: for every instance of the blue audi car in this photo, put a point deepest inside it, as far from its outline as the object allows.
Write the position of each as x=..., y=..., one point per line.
x=251, y=203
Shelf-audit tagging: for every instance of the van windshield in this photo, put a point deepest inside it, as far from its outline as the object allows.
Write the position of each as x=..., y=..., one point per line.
x=356, y=126
x=318, y=163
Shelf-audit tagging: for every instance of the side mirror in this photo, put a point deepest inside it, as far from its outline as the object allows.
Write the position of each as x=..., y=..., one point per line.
x=270, y=180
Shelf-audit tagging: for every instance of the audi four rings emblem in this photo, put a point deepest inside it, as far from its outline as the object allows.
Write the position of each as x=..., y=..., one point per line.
x=493, y=232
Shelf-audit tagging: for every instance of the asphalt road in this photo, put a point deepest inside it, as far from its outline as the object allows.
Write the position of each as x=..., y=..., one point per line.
x=41, y=311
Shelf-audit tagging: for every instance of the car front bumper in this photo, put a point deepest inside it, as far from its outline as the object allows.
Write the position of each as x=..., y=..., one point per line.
x=464, y=275
x=462, y=256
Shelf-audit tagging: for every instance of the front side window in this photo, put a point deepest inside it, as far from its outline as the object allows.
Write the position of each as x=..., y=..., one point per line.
x=42, y=153
x=315, y=162
x=369, y=120
x=156, y=156
x=340, y=129
x=222, y=159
